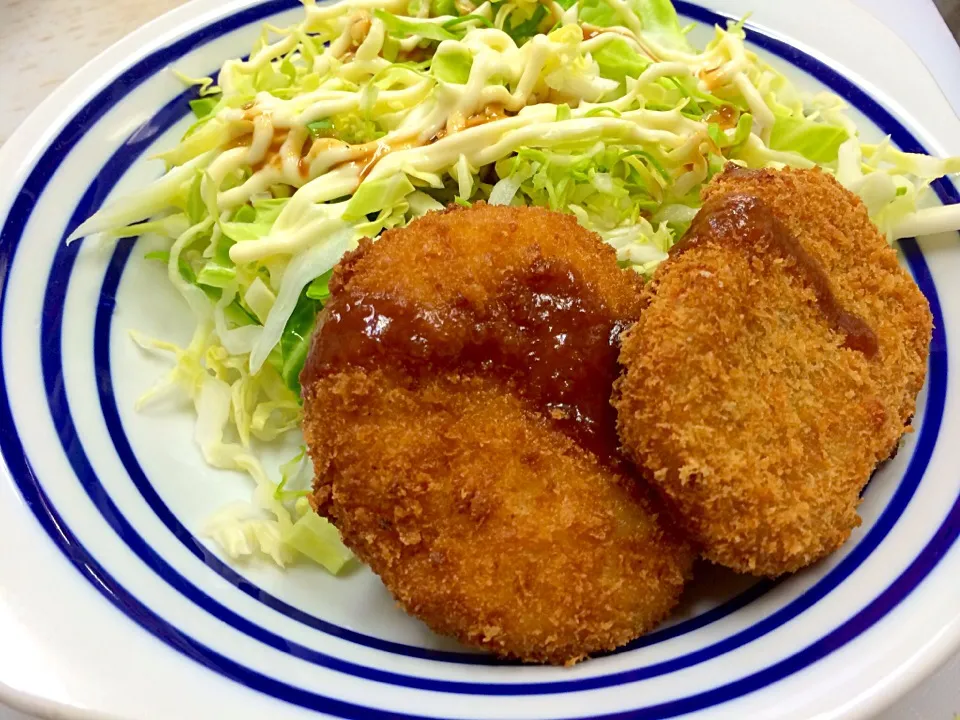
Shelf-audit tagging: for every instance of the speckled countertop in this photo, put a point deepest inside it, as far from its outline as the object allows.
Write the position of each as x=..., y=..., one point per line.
x=62, y=35
x=42, y=42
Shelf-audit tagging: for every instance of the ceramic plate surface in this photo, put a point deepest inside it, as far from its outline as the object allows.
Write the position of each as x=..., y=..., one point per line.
x=112, y=605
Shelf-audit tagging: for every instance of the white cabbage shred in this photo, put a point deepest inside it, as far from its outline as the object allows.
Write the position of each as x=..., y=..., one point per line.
x=369, y=113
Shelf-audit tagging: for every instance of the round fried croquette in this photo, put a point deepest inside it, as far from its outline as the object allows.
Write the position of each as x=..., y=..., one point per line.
x=776, y=365
x=456, y=402
x=485, y=522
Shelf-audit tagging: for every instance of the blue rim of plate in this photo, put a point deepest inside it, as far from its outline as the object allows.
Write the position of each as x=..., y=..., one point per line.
x=112, y=418
x=48, y=517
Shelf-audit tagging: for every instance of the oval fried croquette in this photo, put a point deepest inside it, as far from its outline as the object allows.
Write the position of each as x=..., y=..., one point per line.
x=457, y=413
x=776, y=365
x=485, y=522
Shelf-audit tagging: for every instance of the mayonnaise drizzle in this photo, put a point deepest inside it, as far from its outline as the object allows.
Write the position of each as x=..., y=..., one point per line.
x=429, y=117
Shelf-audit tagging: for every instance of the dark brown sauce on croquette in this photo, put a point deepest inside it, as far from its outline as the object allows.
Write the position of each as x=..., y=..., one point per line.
x=545, y=335
x=747, y=221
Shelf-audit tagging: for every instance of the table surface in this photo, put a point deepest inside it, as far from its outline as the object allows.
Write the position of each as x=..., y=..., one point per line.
x=950, y=9
x=66, y=33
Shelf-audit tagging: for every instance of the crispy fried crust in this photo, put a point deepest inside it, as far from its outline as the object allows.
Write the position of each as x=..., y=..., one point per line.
x=747, y=406
x=481, y=517
x=454, y=257
x=487, y=523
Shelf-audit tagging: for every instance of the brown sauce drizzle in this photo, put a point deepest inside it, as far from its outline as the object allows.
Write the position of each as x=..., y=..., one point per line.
x=590, y=32
x=749, y=223
x=545, y=336
x=239, y=141
x=709, y=76
x=491, y=113
x=417, y=55
x=725, y=116
x=303, y=164
x=380, y=151
x=272, y=155
x=370, y=153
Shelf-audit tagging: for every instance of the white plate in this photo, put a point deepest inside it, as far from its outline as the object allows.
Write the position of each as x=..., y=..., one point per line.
x=108, y=601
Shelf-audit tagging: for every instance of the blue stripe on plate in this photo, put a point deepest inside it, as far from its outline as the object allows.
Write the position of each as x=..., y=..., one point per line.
x=198, y=549
x=925, y=443
x=114, y=424
x=92, y=200
x=47, y=515
x=102, y=363
x=128, y=457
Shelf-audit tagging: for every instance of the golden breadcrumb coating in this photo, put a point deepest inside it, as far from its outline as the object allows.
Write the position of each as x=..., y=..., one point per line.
x=765, y=382
x=459, y=256
x=441, y=457
x=487, y=523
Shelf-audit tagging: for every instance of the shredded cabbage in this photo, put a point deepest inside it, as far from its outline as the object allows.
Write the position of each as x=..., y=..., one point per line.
x=365, y=115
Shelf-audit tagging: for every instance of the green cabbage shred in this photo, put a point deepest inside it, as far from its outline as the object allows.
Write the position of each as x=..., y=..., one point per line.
x=364, y=116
